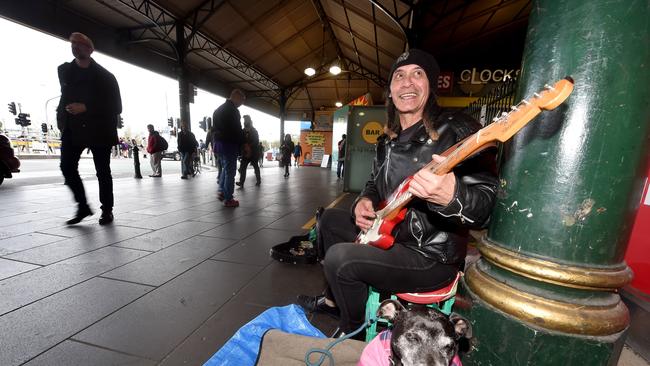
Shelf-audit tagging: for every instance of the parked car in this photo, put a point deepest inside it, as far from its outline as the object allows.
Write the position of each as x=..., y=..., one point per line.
x=172, y=149
x=171, y=154
x=8, y=162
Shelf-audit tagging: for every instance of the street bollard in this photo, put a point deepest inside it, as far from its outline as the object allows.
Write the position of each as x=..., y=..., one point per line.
x=136, y=162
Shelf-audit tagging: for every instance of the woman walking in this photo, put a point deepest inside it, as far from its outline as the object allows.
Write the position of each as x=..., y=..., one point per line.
x=287, y=150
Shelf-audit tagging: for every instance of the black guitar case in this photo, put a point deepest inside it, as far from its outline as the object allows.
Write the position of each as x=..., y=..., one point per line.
x=298, y=250
x=301, y=249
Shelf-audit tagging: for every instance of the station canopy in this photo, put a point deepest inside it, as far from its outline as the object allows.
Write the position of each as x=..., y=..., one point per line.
x=264, y=46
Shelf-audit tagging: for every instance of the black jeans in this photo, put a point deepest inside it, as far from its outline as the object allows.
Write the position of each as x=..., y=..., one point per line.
x=350, y=268
x=242, y=170
x=70, y=154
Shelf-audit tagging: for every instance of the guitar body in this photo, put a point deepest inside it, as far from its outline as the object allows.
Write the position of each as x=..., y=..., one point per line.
x=380, y=234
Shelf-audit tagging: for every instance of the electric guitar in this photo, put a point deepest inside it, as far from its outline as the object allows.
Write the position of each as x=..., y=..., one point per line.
x=393, y=211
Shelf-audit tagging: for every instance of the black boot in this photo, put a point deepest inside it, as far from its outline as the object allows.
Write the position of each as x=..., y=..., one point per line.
x=82, y=212
x=317, y=304
x=106, y=218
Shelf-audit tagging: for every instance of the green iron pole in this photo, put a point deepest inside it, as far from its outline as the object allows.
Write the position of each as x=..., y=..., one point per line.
x=544, y=290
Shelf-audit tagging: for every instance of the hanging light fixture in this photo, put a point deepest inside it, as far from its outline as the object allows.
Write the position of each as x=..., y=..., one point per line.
x=335, y=69
x=338, y=104
x=310, y=71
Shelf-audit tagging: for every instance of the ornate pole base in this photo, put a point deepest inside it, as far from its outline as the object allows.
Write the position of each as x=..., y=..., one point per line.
x=518, y=321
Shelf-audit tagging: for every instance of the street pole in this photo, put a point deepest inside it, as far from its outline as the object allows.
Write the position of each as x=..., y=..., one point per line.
x=136, y=161
x=545, y=290
x=46, y=102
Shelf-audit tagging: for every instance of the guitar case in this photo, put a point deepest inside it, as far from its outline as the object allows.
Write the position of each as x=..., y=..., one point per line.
x=300, y=249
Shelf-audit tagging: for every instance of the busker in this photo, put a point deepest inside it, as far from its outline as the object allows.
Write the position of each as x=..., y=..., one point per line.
x=431, y=242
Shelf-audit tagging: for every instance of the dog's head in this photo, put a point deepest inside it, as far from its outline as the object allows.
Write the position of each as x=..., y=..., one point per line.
x=422, y=335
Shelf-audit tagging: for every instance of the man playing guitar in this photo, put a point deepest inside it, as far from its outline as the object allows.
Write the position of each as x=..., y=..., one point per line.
x=430, y=240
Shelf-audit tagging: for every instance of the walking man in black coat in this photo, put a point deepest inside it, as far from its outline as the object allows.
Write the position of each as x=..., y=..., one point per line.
x=87, y=117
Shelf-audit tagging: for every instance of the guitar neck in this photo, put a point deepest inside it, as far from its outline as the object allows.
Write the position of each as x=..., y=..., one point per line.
x=502, y=130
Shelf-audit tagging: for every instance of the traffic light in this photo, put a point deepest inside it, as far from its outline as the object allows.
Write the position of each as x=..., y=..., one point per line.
x=120, y=122
x=12, y=108
x=203, y=124
x=23, y=119
x=178, y=123
x=170, y=122
x=44, y=127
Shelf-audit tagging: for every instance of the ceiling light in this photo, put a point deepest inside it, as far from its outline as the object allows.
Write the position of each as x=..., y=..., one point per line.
x=335, y=70
x=338, y=104
x=310, y=71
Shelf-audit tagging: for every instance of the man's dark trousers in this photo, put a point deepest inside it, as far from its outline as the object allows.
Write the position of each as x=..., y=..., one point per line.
x=70, y=154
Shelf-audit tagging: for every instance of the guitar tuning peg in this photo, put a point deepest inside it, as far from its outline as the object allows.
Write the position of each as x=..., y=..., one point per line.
x=514, y=108
x=495, y=119
x=504, y=114
x=537, y=95
x=548, y=87
x=525, y=102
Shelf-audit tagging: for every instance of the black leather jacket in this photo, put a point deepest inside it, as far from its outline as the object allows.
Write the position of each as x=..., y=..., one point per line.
x=437, y=232
x=97, y=88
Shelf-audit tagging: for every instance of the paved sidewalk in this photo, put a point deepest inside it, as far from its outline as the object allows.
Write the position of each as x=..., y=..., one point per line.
x=168, y=283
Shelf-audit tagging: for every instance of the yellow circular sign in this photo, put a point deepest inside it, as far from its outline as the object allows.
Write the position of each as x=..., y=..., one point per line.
x=371, y=130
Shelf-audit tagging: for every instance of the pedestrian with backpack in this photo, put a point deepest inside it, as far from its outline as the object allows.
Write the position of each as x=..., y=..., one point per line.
x=156, y=144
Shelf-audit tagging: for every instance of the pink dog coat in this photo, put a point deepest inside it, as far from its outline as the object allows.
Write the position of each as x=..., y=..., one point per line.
x=377, y=352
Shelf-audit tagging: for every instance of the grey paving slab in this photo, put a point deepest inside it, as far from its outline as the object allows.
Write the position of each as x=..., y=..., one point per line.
x=225, y=214
x=255, y=248
x=218, y=217
x=30, y=227
x=170, y=235
x=155, y=324
x=67, y=248
x=28, y=287
x=88, y=225
x=123, y=218
x=211, y=335
x=162, y=266
x=10, y=268
x=240, y=227
x=167, y=219
x=26, y=241
x=162, y=209
x=292, y=221
x=35, y=328
x=71, y=353
x=280, y=283
x=23, y=218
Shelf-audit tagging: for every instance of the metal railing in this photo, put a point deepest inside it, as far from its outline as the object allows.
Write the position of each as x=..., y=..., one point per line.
x=497, y=101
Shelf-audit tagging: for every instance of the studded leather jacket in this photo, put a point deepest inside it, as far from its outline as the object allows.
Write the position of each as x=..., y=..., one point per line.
x=437, y=232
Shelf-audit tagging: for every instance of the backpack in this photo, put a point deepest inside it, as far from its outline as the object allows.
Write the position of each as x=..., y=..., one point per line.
x=161, y=142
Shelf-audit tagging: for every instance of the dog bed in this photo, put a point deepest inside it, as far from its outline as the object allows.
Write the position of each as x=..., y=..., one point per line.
x=284, y=349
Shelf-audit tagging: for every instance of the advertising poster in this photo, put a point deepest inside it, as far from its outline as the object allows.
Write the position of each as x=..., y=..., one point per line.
x=315, y=144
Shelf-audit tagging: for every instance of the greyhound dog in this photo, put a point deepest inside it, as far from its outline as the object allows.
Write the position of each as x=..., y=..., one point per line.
x=420, y=336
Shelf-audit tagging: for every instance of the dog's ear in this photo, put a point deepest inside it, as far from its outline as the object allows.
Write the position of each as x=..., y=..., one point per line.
x=462, y=326
x=388, y=309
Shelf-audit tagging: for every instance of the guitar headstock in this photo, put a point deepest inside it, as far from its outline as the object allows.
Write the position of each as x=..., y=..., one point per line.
x=553, y=96
x=508, y=124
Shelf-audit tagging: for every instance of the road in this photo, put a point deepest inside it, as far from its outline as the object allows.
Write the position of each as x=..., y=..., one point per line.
x=46, y=171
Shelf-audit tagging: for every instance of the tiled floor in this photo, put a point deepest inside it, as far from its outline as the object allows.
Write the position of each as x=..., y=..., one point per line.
x=173, y=278
x=168, y=283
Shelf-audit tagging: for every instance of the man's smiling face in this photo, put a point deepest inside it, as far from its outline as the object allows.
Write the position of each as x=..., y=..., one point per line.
x=409, y=89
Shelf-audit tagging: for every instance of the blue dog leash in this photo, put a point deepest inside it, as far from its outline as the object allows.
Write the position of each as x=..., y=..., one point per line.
x=325, y=352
